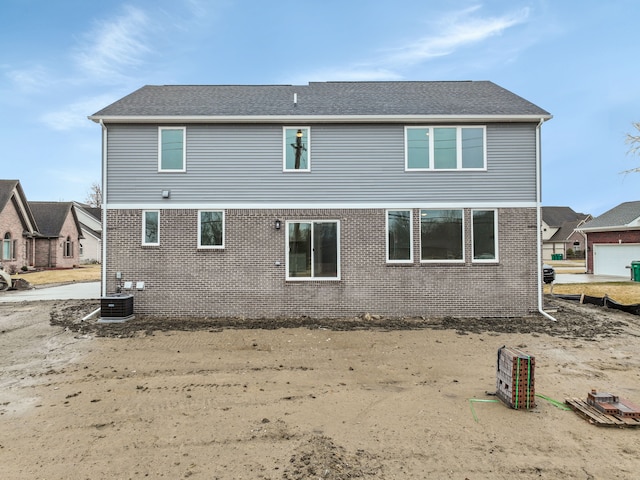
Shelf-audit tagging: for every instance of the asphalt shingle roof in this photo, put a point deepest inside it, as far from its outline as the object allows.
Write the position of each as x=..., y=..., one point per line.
x=482, y=98
x=6, y=190
x=557, y=216
x=51, y=216
x=624, y=215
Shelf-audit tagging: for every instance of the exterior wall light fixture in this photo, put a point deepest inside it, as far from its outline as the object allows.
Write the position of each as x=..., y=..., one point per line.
x=278, y=224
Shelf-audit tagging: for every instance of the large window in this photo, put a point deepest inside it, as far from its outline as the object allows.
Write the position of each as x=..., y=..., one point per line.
x=151, y=227
x=313, y=250
x=399, y=236
x=445, y=148
x=441, y=236
x=211, y=229
x=485, y=237
x=8, y=247
x=171, y=149
x=297, y=154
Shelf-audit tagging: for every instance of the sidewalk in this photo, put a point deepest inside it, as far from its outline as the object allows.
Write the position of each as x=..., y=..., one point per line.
x=73, y=291
x=587, y=278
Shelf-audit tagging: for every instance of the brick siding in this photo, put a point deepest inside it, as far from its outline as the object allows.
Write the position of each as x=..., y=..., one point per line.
x=10, y=223
x=242, y=280
x=626, y=236
x=50, y=251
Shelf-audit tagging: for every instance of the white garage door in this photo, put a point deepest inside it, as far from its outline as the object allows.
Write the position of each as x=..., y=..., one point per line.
x=613, y=259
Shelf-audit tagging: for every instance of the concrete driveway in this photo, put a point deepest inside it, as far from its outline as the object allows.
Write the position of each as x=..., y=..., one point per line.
x=587, y=278
x=73, y=291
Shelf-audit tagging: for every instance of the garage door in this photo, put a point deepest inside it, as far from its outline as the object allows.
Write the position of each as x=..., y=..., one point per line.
x=613, y=259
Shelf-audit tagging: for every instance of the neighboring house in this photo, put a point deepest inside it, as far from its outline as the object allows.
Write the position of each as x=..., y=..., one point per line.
x=613, y=240
x=326, y=200
x=18, y=228
x=559, y=232
x=57, y=245
x=90, y=219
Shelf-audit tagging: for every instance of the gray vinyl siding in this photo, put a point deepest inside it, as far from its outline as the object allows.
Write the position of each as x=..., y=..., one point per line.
x=350, y=164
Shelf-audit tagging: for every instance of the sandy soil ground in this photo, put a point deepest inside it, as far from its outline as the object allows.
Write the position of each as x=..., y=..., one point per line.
x=375, y=399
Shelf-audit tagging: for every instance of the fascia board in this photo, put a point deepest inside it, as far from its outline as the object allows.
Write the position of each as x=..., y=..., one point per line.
x=316, y=206
x=316, y=118
x=616, y=228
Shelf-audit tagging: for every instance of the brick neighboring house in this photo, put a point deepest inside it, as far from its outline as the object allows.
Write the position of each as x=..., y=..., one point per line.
x=329, y=199
x=613, y=240
x=57, y=245
x=18, y=228
x=559, y=231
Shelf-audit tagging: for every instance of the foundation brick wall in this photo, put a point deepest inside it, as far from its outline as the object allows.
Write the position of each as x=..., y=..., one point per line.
x=628, y=236
x=242, y=279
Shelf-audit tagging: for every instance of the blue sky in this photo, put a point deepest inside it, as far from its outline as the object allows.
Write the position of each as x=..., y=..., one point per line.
x=62, y=61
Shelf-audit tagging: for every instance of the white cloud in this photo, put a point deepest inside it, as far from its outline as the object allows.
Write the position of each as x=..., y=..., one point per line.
x=450, y=33
x=457, y=30
x=116, y=45
x=74, y=115
x=29, y=80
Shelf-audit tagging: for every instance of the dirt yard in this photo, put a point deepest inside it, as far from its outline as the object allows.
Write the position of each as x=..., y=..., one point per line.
x=375, y=399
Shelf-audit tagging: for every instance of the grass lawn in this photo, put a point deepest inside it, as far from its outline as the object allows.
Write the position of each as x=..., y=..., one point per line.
x=622, y=292
x=83, y=273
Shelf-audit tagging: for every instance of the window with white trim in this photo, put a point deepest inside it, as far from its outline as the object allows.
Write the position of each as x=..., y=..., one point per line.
x=399, y=236
x=445, y=148
x=484, y=230
x=210, y=229
x=296, y=149
x=151, y=227
x=172, y=148
x=313, y=250
x=8, y=247
x=441, y=236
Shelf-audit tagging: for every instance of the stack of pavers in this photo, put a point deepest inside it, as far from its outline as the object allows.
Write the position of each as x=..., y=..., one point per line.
x=612, y=404
x=514, y=378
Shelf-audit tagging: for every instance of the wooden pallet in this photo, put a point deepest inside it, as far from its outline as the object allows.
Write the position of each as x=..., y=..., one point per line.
x=596, y=417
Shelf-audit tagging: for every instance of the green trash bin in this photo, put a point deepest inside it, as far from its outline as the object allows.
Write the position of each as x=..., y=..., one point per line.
x=635, y=270
x=556, y=256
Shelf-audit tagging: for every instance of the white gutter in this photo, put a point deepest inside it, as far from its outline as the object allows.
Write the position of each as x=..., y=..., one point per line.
x=103, y=287
x=313, y=118
x=539, y=221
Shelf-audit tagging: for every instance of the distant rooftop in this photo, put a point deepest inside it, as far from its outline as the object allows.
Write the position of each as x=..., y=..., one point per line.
x=625, y=215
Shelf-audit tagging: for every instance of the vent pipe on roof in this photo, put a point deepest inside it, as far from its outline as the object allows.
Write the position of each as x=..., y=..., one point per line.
x=295, y=99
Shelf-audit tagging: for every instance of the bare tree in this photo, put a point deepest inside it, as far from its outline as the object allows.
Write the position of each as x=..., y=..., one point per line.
x=94, y=197
x=634, y=142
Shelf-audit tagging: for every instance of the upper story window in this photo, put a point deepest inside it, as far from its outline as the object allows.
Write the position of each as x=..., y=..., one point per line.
x=441, y=236
x=172, y=147
x=211, y=229
x=445, y=148
x=296, y=148
x=399, y=236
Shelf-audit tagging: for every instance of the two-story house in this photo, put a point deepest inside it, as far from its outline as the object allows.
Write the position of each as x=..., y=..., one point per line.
x=326, y=200
x=560, y=234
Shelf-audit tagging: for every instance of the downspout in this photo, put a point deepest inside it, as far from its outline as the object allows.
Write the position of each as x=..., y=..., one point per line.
x=539, y=221
x=103, y=287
